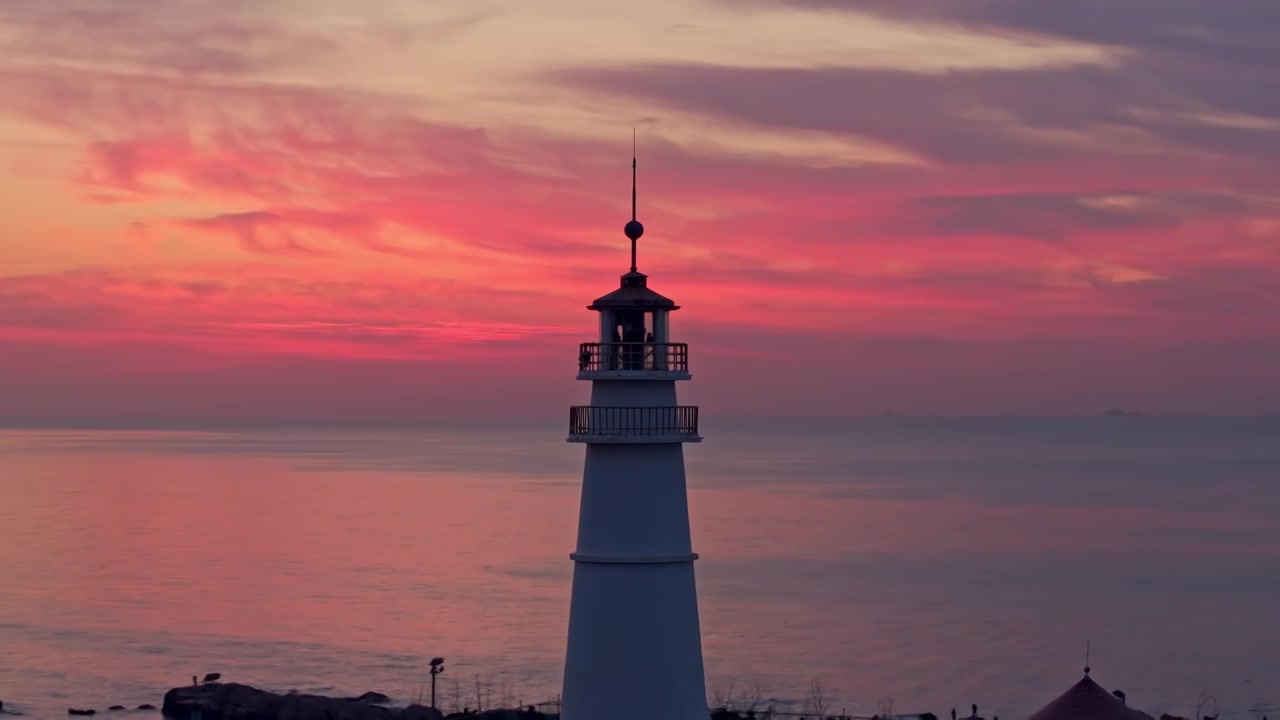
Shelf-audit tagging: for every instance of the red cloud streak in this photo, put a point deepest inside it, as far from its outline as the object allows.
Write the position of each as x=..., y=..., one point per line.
x=311, y=251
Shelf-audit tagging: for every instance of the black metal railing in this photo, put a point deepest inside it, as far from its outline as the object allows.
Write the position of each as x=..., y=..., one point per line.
x=642, y=421
x=633, y=356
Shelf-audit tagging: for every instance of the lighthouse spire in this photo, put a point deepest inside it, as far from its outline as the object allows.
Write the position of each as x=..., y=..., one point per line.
x=633, y=229
x=633, y=174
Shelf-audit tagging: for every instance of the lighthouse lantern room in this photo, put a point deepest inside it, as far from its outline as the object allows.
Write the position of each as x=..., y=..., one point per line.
x=634, y=647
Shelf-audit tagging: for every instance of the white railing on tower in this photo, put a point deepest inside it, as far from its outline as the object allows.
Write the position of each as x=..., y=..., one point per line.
x=596, y=420
x=673, y=357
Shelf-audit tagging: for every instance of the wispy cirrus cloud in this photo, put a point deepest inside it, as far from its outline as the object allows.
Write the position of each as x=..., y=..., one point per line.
x=1181, y=72
x=183, y=37
x=1057, y=216
x=982, y=117
x=1236, y=31
x=240, y=183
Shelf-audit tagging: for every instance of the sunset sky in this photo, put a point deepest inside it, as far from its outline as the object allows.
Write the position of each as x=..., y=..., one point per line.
x=321, y=208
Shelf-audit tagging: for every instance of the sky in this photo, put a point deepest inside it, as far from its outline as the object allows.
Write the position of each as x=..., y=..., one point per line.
x=400, y=209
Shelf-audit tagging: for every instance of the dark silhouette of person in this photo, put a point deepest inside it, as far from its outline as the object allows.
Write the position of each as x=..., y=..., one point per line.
x=633, y=336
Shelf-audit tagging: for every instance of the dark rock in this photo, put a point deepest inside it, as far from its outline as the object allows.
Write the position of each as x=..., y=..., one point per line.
x=318, y=707
x=234, y=701
x=928, y=716
x=1167, y=716
x=501, y=715
x=724, y=714
x=506, y=714
x=78, y=711
x=116, y=707
x=231, y=701
x=146, y=706
x=421, y=712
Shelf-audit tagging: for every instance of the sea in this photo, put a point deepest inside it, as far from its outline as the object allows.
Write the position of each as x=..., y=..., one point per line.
x=885, y=565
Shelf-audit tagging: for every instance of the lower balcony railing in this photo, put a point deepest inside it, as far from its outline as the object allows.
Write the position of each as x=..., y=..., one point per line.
x=597, y=421
x=671, y=357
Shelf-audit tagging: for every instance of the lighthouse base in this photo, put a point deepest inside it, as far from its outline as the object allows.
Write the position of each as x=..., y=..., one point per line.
x=635, y=650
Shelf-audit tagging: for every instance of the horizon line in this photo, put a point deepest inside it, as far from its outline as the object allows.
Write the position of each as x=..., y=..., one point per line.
x=435, y=422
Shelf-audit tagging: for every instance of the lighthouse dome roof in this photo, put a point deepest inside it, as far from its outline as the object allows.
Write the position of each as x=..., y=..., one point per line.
x=633, y=293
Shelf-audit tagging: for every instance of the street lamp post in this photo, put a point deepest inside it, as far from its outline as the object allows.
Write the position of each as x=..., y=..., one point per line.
x=437, y=667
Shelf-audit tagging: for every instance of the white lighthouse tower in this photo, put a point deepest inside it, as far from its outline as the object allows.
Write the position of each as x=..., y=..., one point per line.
x=635, y=647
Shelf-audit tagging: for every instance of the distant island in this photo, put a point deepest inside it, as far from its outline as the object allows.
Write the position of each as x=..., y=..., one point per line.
x=1121, y=413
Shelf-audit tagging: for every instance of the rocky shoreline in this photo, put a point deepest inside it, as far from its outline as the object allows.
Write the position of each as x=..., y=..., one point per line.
x=234, y=701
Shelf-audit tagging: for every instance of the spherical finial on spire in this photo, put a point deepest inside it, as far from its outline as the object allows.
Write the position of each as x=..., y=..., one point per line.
x=633, y=229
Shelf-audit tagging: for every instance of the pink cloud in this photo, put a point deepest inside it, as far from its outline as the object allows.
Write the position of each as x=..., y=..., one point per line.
x=189, y=37
x=369, y=235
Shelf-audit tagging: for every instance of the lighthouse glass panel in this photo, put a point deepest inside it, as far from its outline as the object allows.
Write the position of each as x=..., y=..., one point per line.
x=635, y=347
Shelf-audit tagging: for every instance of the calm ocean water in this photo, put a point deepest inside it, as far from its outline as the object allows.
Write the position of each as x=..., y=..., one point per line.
x=937, y=562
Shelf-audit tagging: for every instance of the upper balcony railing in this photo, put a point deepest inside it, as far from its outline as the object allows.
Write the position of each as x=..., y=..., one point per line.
x=634, y=356
x=596, y=423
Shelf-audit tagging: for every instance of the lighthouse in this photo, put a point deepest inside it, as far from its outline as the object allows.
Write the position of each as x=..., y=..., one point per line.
x=635, y=646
